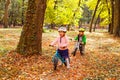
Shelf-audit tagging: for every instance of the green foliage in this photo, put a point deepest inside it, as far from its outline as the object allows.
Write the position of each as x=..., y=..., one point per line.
x=50, y=12
x=15, y=11
x=2, y=3
x=104, y=16
x=62, y=12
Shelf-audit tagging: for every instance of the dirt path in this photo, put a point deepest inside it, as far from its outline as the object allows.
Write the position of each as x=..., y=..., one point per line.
x=101, y=61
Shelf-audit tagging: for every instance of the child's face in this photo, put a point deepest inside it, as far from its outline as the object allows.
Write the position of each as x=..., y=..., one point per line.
x=81, y=33
x=61, y=33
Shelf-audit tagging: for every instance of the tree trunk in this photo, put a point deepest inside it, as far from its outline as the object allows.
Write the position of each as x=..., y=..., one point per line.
x=109, y=13
x=90, y=30
x=117, y=18
x=97, y=19
x=31, y=36
x=52, y=25
x=80, y=23
x=5, y=18
x=95, y=24
x=112, y=20
x=22, y=18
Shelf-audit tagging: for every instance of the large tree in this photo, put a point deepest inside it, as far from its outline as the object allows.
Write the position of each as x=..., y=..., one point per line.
x=5, y=18
x=22, y=19
x=31, y=36
x=116, y=18
x=111, y=27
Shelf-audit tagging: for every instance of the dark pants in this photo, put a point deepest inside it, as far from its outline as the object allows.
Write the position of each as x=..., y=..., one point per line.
x=63, y=53
x=81, y=49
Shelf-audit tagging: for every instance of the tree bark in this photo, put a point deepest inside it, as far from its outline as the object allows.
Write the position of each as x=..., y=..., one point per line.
x=31, y=37
x=109, y=18
x=90, y=30
x=117, y=18
x=22, y=18
x=5, y=18
x=112, y=20
x=95, y=24
x=97, y=19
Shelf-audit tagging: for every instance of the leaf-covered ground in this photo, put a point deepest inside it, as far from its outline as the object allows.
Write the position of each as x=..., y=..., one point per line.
x=101, y=61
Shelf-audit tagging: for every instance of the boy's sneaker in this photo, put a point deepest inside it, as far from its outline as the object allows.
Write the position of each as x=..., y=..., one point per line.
x=65, y=63
x=82, y=54
x=73, y=53
x=55, y=67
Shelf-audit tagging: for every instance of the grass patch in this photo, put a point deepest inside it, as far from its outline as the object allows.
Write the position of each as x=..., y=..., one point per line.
x=8, y=39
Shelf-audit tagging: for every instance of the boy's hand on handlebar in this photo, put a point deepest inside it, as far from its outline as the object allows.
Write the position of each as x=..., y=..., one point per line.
x=82, y=43
x=75, y=41
x=51, y=45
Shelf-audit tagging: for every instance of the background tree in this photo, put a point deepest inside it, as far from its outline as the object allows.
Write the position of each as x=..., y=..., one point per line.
x=91, y=23
x=31, y=36
x=63, y=12
x=112, y=19
x=108, y=3
x=23, y=9
x=5, y=18
x=97, y=20
x=116, y=17
x=86, y=15
x=60, y=12
x=2, y=9
x=15, y=12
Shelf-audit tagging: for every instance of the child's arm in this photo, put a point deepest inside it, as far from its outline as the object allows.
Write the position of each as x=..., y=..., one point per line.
x=76, y=38
x=54, y=42
x=84, y=39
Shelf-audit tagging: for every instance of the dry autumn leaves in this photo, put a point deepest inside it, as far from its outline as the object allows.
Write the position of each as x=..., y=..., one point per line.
x=101, y=61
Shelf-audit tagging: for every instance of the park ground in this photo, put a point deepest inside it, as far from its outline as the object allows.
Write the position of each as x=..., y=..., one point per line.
x=101, y=61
